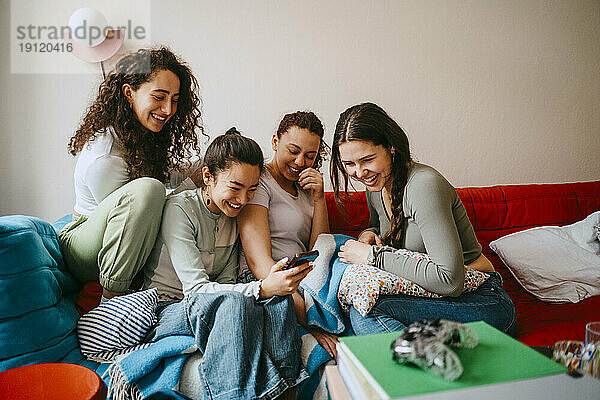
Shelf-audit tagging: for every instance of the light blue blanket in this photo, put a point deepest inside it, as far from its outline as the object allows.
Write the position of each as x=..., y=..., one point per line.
x=151, y=370
x=323, y=309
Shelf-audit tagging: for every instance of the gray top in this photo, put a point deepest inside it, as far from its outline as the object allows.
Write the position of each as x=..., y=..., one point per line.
x=203, y=248
x=290, y=218
x=436, y=223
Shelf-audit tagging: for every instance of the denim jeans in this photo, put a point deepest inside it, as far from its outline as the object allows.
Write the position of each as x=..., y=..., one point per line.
x=489, y=303
x=249, y=349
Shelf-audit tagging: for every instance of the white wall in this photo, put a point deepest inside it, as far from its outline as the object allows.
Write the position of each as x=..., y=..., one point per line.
x=488, y=92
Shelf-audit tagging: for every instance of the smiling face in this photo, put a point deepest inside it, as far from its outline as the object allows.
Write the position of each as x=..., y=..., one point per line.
x=155, y=101
x=367, y=163
x=231, y=188
x=295, y=151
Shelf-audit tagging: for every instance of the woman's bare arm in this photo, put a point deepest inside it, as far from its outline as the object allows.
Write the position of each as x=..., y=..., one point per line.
x=320, y=221
x=253, y=225
x=311, y=179
x=255, y=234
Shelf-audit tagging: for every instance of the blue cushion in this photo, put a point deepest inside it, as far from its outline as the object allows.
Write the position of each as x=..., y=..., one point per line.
x=60, y=223
x=37, y=296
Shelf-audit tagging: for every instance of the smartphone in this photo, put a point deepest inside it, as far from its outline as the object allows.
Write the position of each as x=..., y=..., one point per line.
x=301, y=258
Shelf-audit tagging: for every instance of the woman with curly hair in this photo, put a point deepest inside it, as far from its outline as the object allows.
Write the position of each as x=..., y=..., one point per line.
x=138, y=136
x=288, y=211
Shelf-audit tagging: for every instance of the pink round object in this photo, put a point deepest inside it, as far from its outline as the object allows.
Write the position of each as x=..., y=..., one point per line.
x=105, y=50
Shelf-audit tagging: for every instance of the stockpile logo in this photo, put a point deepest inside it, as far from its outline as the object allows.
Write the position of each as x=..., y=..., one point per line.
x=61, y=37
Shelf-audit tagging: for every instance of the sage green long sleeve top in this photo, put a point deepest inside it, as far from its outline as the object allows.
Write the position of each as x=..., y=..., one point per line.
x=203, y=249
x=436, y=223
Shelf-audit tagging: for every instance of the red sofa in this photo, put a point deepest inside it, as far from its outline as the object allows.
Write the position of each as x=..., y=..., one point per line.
x=496, y=211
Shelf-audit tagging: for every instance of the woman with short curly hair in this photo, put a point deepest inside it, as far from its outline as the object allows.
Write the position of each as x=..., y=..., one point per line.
x=289, y=210
x=139, y=135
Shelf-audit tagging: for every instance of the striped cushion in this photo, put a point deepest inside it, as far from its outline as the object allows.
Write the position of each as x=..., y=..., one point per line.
x=110, y=356
x=119, y=323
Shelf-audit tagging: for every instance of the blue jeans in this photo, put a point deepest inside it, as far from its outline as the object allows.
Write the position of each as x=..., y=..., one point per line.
x=249, y=349
x=489, y=303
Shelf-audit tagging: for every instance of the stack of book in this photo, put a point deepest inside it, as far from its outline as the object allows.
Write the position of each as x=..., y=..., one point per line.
x=368, y=370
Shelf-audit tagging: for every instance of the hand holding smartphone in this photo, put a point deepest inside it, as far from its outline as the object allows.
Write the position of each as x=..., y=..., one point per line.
x=301, y=258
x=280, y=283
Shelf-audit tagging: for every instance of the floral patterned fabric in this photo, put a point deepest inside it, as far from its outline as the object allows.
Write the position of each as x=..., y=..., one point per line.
x=362, y=284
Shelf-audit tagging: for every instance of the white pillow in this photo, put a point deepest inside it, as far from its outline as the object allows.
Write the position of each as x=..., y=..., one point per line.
x=555, y=264
x=120, y=323
x=584, y=232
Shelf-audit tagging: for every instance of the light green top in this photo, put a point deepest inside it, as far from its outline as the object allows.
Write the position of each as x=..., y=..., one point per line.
x=436, y=223
x=203, y=248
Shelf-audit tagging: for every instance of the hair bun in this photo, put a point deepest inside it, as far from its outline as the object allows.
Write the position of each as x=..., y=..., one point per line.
x=233, y=131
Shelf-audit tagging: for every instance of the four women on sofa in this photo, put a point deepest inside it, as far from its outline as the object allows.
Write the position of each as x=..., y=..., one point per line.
x=140, y=136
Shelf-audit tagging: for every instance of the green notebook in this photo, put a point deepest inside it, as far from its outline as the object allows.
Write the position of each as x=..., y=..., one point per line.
x=497, y=358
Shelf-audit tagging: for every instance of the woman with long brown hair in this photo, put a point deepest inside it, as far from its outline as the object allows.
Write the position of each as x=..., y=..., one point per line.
x=138, y=136
x=412, y=206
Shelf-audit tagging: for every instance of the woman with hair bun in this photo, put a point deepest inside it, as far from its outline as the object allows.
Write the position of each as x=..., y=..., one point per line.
x=246, y=329
x=139, y=135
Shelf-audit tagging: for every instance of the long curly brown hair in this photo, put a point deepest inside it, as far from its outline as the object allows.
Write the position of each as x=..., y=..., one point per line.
x=370, y=123
x=146, y=153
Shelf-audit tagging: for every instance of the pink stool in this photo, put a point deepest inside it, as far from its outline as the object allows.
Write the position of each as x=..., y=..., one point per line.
x=51, y=382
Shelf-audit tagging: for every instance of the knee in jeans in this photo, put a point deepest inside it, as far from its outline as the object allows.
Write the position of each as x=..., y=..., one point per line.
x=236, y=303
x=283, y=305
